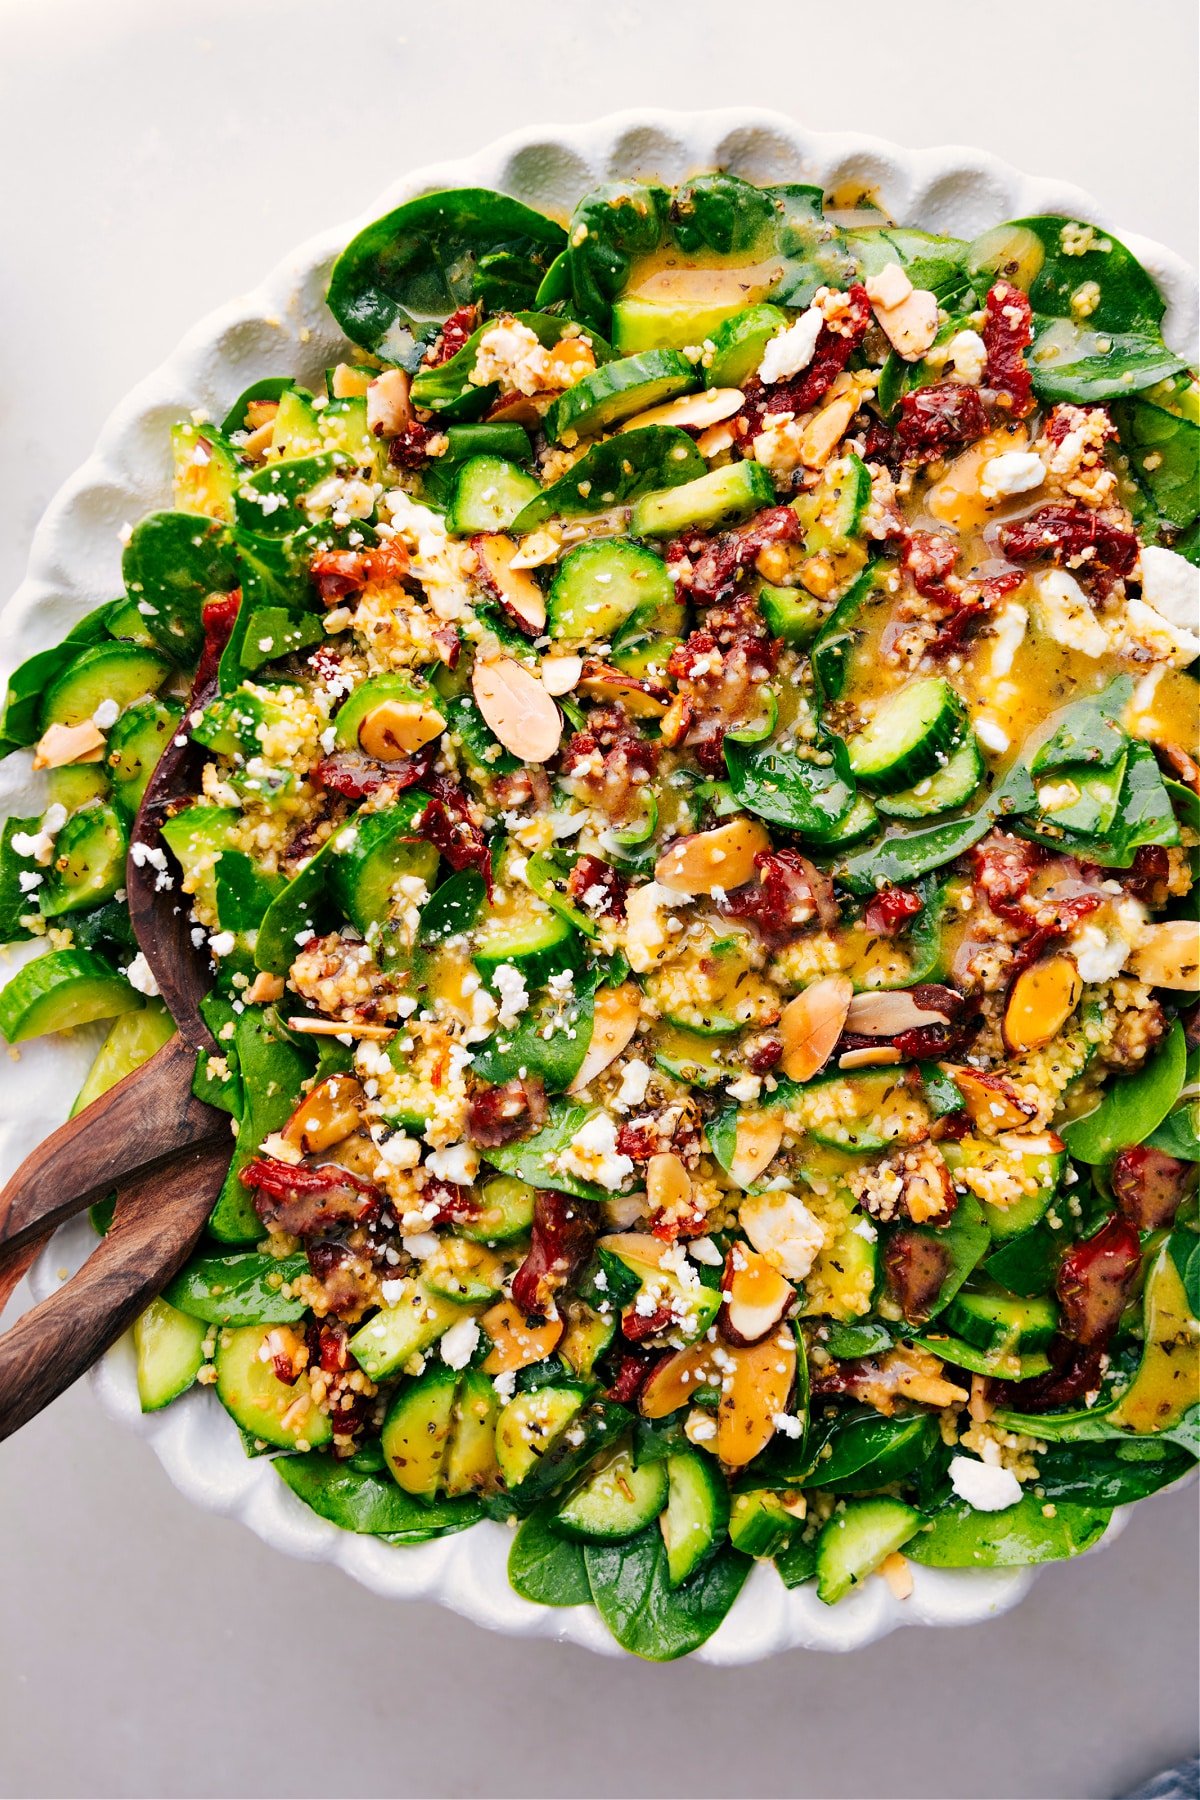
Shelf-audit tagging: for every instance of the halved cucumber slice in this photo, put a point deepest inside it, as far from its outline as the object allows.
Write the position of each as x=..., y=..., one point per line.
x=268, y=1409
x=617, y=391
x=1000, y=1323
x=697, y=1515
x=132, y=1040
x=616, y=1501
x=196, y=838
x=416, y=1433
x=856, y=1540
x=135, y=743
x=118, y=672
x=471, y=1466
x=464, y=1271
x=759, y=1523
x=296, y=431
x=864, y=1111
x=89, y=862
x=721, y=497
x=529, y=1425
x=60, y=990
x=909, y=736
x=169, y=1348
x=601, y=585
x=641, y=323
x=950, y=786
x=74, y=785
x=506, y=1211
x=402, y=1330
x=488, y=495
x=1033, y=1165
x=517, y=927
x=739, y=343
x=838, y=505
x=1001, y=1365
x=207, y=471
x=792, y=614
x=696, y=1060
x=364, y=876
x=713, y=989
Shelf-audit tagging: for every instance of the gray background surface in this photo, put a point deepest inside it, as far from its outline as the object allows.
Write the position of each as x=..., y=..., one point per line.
x=156, y=160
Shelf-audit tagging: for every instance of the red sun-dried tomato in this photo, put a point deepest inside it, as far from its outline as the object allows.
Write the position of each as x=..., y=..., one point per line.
x=928, y=559
x=891, y=910
x=354, y=775
x=510, y=1110
x=1007, y=334
x=763, y=1053
x=453, y=335
x=410, y=449
x=1149, y=1186
x=716, y=559
x=1074, y=1374
x=1004, y=867
x=1075, y=534
x=934, y=420
x=598, y=888
x=304, y=1200
x=447, y=824
x=561, y=1242
x=328, y=1343
x=637, y=1326
x=609, y=763
x=789, y=894
x=454, y=1202
x=633, y=1372
x=1095, y=1280
x=720, y=671
x=218, y=615
x=339, y=573
x=915, y=1265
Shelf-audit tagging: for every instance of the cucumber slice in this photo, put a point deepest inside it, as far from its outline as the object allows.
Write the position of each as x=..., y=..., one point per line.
x=841, y=502
x=739, y=343
x=122, y=620
x=1000, y=1323
x=206, y=471
x=856, y=1540
x=268, y=1409
x=866, y=1111
x=1033, y=1164
x=1002, y=1365
x=844, y=1276
x=371, y=693
x=132, y=1040
x=713, y=989
x=692, y=1309
x=510, y=442
x=721, y=497
x=464, y=1271
x=602, y=585
x=416, y=1433
x=402, y=1330
x=517, y=927
x=89, y=862
x=909, y=736
x=471, y=1466
x=639, y=323
x=860, y=822
x=196, y=838
x=343, y=426
x=696, y=1060
x=60, y=990
x=76, y=785
x=950, y=786
x=506, y=1211
x=759, y=1523
x=119, y=672
x=488, y=495
x=530, y=1425
x=617, y=391
x=169, y=1348
x=587, y=1337
x=792, y=614
x=697, y=1516
x=616, y=1501
x=135, y=743
x=296, y=431
x=364, y=875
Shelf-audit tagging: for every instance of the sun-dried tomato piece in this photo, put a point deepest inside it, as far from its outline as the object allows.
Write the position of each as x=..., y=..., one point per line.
x=510, y=1110
x=1074, y=1374
x=561, y=1242
x=835, y=346
x=1007, y=334
x=1148, y=875
x=720, y=671
x=1077, y=535
x=339, y=573
x=354, y=775
x=934, y=420
x=633, y=1372
x=453, y=1201
x=789, y=894
x=598, y=888
x=328, y=1346
x=447, y=824
x=218, y=615
x=928, y=559
x=892, y=910
x=763, y=1053
x=1149, y=1186
x=638, y=1326
x=915, y=1265
x=608, y=764
x=1095, y=1280
x=716, y=559
x=410, y=449
x=1004, y=867
x=453, y=335
x=304, y=1199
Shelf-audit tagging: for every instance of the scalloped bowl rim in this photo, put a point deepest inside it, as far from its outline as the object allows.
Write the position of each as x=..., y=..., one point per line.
x=282, y=326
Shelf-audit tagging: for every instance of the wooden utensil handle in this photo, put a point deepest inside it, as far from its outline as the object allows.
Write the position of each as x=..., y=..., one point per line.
x=145, y=1119
x=160, y=1214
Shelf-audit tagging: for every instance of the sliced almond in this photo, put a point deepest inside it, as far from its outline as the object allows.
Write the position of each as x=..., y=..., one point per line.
x=811, y=1025
x=260, y=413
x=517, y=708
x=886, y=1015
x=759, y=1135
x=389, y=409
x=722, y=858
x=614, y=1020
x=396, y=729
x=826, y=429
x=668, y=1184
x=514, y=588
x=889, y=287
x=897, y=1572
x=693, y=412
x=753, y=1394
x=1168, y=955
x=675, y=1382
x=561, y=673
x=636, y=1246
x=643, y=699
x=348, y=383
x=326, y=1115
x=60, y=745
x=569, y=361
x=992, y=1103
x=911, y=325
x=356, y=1028
x=516, y=1343
x=871, y=1056
x=757, y=1296
x=1042, y=999
x=264, y=989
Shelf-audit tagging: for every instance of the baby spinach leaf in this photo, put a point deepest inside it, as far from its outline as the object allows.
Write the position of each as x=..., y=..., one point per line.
x=271, y=387
x=1187, y=1433
x=451, y=908
x=434, y=254
x=864, y=1451
x=1164, y=454
x=275, y=631
x=848, y=1341
x=936, y=263
x=899, y=859
x=272, y=1072
x=1133, y=1107
x=1089, y=733
x=15, y=903
x=371, y=1504
x=535, y=1159
x=242, y=1289
x=172, y=563
x=1025, y=1264
x=960, y=1538
x=551, y=1039
x=545, y=1568
x=791, y=790
x=647, y=1616
x=1179, y=1133
x=615, y=472
x=1185, y=1254
x=609, y=228
x=1109, y=1474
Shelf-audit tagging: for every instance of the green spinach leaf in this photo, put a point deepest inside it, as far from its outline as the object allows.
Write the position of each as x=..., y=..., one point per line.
x=535, y=1159
x=1023, y=1534
x=545, y=1568
x=647, y=1616
x=551, y=1039
x=242, y=1289
x=172, y=563
x=615, y=472
x=371, y=1504
x=1133, y=1107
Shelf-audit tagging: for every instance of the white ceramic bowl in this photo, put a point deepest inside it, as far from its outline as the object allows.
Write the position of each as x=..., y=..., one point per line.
x=284, y=328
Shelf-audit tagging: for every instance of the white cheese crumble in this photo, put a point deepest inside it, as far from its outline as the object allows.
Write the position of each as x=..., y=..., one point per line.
x=514, y=995
x=780, y=1226
x=458, y=1163
x=1065, y=613
x=984, y=1487
x=635, y=1078
x=1012, y=472
x=140, y=975
x=594, y=1155
x=966, y=358
x=1171, y=585
x=106, y=714
x=458, y=1344
x=791, y=349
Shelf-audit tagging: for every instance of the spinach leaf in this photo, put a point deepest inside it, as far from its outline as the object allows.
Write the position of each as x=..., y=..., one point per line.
x=788, y=789
x=21, y=713
x=303, y=905
x=545, y=1568
x=960, y=1538
x=172, y=563
x=1109, y=1474
x=936, y=263
x=615, y=472
x=534, y=1158
x=451, y=908
x=391, y=278
x=863, y=1451
x=15, y=903
x=371, y=1504
x=270, y=503
x=647, y=1616
x=1164, y=455
x=1179, y=1133
x=596, y=1428
x=271, y=1072
x=1187, y=1433
x=1185, y=1254
x=1089, y=733
x=899, y=859
x=609, y=228
x=1025, y=1264
x=273, y=632
x=551, y=1039
x=1133, y=1107
x=849, y=1341
x=238, y=1289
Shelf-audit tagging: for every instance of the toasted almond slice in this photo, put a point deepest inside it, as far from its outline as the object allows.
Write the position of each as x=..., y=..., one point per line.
x=759, y=1135
x=992, y=1103
x=515, y=589
x=637, y=1246
x=264, y=988
x=668, y=1184
x=515, y=1343
x=911, y=325
x=722, y=858
x=389, y=409
x=1168, y=955
x=348, y=383
x=614, y=1021
x=60, y=745
x=758, y=1296
x=695, y=412
x=600, y=681
x=871, y=1056
x=398, y=728
x=357, y=1028
x=811, y=1024
x=897, y=1572
x=517, y=708
x=561, y=673
x=260, y=413
x=676, y=1381
x=826, y=429
x=885, y=1015
x=753, y=1394
x=1042, y=999
x=326, y=1115
x=889, y=287
x=570, y=360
